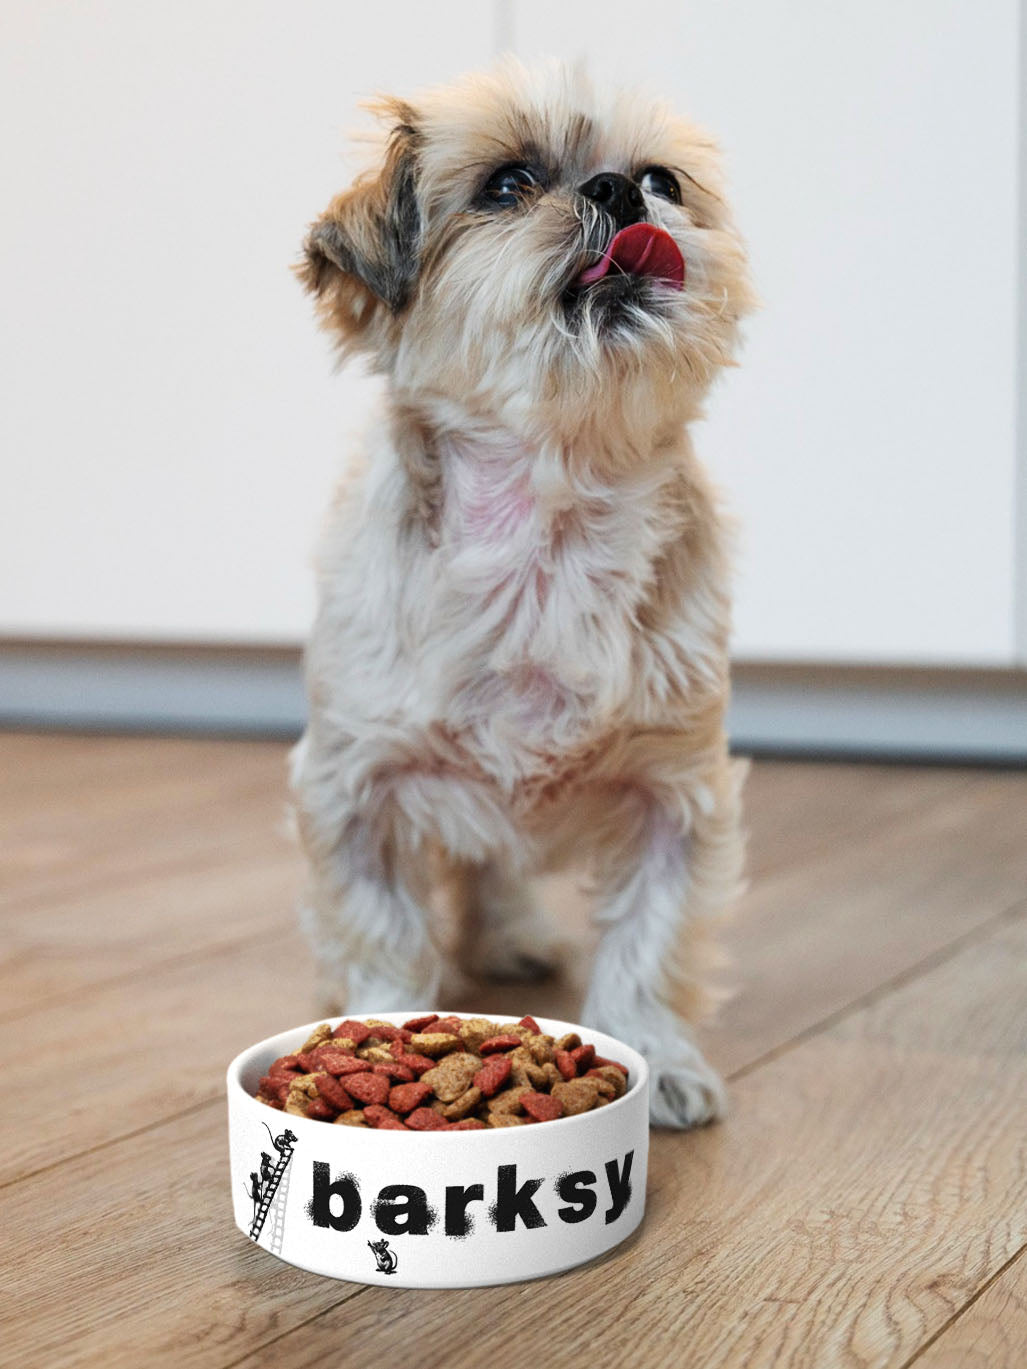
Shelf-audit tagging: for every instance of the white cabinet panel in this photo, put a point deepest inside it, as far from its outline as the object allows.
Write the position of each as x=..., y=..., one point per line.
x=868, y=442
x=169, y=427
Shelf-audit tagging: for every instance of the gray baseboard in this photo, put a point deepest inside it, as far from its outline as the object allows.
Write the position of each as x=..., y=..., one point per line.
x=788, y=710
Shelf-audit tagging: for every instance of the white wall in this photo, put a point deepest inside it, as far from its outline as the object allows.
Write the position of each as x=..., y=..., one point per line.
x=169, y=419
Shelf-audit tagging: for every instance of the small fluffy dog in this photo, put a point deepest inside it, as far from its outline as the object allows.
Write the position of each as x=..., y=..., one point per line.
x=520, y=655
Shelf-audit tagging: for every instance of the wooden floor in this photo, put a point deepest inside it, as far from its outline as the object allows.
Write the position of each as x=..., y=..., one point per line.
x=865, y=1204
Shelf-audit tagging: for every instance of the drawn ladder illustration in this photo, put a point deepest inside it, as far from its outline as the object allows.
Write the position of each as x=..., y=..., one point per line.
x=274, y=1193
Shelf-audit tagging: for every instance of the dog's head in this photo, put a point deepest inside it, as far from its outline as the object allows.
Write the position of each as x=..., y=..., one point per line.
x=526, y=247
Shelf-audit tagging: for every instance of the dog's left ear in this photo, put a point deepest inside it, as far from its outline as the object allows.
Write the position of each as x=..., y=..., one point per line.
x=361, y=256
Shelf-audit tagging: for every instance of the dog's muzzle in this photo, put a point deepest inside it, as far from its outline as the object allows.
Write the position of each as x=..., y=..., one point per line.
x=641, y=249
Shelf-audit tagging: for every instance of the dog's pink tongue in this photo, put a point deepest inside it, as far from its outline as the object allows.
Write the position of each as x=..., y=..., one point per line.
x=641, y=249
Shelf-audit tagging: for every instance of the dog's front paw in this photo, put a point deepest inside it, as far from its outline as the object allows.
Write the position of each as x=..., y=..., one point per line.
x=686, y=1092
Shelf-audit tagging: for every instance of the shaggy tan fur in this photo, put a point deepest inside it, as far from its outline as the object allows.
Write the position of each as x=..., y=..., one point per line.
x=520, y=655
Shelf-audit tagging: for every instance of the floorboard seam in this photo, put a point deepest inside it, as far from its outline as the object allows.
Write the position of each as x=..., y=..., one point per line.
x=975, y=1297
x=315, y=1316
x=922, y=967
x=114, y=1141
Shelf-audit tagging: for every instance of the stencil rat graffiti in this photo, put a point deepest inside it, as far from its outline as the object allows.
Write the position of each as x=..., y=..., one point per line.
x=386, y=1260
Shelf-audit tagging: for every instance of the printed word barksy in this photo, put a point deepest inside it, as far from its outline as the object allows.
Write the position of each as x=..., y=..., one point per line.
x=512, y=1202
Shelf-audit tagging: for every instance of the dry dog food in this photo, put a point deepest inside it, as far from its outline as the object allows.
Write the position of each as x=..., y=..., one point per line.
x=441, y=1074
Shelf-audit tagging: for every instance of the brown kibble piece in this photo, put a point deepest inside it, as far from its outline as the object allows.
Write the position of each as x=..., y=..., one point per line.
x=302, y=1090
x=505, y=1119
x=460, y=1107
x=468, y=1124
x=475, y=1030
x=568, y=1042
x=353, y=1118
x=613, y=1076
x=376, y=1055
x=319, y=1034
x=507, y=1101
x=434, y=1044
x=576, y=1095
x=452, y=1076
x=552, y=1074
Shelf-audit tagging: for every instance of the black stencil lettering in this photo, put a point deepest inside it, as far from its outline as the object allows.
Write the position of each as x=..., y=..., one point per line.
x=458, y=1221
x=576, y=1189
x=319, y=1209
x=402, y=1210
x=513, y=1202
x=620, y=1186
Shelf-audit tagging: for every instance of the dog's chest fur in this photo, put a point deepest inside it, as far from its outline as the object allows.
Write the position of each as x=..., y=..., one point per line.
x=538, y=575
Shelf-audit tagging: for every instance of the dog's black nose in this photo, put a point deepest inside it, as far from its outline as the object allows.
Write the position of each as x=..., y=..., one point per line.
x=619, y=196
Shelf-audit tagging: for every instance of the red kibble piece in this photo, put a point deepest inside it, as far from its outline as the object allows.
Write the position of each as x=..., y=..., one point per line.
x=406, y=1097
x=356, y=1031
x=382, y=1119
x=385, y=1032
x=506, y=1042
x=451, y=1025
x=543, y=1107
x=276, y=1086
x=418, y=1063
x=400, y=1073
x=493, y=1075
x=583, y=1057
x=332, y=1092
x=601, y=1060
x=467, y=1124
x=338, y=1062
x=531, y=1025
x=368, y=1088
x=285, y=1062
x=321, y=1111
x=566, y=1064
x=426, y=1119
x=418, y=1024
x=307, y=1063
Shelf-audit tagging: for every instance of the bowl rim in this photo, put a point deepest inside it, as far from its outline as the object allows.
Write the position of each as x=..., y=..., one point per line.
x=637, y=1065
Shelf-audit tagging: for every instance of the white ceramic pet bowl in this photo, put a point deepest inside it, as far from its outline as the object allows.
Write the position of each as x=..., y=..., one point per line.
x=439, y=1209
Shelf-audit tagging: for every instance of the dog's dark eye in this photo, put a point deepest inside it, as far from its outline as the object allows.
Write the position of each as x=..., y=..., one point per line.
x=509, y=186
x=657, y=180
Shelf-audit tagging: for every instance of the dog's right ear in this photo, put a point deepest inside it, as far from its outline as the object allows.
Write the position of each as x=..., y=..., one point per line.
x=361, y=257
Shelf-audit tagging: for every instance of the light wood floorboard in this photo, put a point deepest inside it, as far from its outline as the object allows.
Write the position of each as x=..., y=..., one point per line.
x=864, y=1204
